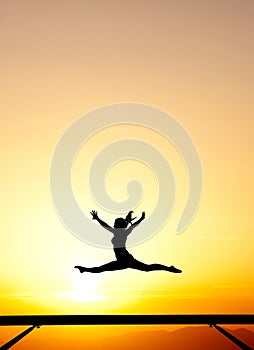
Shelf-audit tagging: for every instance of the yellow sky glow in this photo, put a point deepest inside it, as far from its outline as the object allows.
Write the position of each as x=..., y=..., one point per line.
x=194, y=59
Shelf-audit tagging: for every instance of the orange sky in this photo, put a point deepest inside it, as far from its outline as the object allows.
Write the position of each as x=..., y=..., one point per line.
x=194, y=59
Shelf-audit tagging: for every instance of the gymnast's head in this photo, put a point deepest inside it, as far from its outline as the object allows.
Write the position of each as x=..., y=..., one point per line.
x=120, y=223
x=123, y=223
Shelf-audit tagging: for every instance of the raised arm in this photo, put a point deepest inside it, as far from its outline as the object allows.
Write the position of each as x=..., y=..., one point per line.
x=139, y=220
x=135, y=224
x=101, y=222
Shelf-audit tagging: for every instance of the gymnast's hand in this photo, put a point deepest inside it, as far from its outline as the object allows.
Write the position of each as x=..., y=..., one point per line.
x=94, y=215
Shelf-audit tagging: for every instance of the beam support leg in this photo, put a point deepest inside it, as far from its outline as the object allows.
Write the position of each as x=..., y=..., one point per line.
x=231, y=337
x=13, y=341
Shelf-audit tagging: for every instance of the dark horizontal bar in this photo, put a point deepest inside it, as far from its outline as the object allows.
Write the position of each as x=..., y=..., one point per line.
x=69, y=320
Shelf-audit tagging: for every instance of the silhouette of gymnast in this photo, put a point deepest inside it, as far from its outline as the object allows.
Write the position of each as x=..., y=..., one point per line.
x=124, y=259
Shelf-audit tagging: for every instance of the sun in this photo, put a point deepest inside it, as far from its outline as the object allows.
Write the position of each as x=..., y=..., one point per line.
x=85, y=289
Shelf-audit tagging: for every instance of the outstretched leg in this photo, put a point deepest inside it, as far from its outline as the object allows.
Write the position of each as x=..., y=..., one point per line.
x=138, y=265
x=111, y=266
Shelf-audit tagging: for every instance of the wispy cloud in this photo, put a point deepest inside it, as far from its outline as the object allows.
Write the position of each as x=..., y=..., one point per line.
x=150, y=293
x=216, y=237
x=233, y=286
x=16, y=296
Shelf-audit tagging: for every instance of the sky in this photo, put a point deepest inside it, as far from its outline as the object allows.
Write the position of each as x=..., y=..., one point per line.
x=62, y=59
